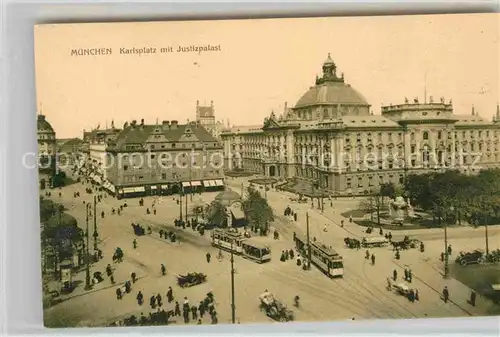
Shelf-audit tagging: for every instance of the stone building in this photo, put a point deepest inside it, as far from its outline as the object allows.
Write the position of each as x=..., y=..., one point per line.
x=47, y=149
x=330, y=139
x=205, y=116
x=155, y=159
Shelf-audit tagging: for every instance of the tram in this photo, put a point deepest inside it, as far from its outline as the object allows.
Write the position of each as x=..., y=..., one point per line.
x=228, y=239
x=255, y=251
x=324, y=258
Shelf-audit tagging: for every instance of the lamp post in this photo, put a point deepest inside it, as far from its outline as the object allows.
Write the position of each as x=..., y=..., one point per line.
x=446, y=256
x=88, y=286
x=233, y=306
x=96, y=234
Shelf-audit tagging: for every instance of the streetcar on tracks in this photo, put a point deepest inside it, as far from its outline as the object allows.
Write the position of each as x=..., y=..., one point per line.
x=324, y=258
x=228, y=239
x=256, y=251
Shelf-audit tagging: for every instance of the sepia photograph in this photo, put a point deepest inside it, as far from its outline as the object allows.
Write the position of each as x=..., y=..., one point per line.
x=268, y=170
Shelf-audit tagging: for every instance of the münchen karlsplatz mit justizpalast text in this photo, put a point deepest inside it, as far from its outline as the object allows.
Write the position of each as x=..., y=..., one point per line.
x=140, y=51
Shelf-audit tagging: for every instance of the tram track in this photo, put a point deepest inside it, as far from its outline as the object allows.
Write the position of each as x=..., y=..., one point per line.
x=314, y=289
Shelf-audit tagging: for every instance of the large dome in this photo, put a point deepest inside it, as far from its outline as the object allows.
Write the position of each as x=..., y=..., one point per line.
x=331, y=93
x=331, y=89
x=43, y=126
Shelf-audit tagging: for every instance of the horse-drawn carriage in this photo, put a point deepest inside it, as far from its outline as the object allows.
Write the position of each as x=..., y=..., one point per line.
x=406, y=243
x=138, y=229
x=399, y=288
x=274, y=308
x=191, y=279
x=352, y=243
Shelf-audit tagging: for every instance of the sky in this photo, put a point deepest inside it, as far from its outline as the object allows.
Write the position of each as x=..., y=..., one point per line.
x=261, y=64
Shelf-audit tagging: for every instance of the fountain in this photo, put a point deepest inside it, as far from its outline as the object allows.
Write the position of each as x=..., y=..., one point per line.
x=400, y=210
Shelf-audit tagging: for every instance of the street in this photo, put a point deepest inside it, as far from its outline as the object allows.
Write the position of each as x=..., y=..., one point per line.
x=360, y=294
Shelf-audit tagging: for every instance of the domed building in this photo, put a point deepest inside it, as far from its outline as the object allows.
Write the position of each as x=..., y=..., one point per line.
x=331, y=143
x=47, y=149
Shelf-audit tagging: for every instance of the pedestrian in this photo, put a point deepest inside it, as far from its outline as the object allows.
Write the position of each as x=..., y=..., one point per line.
x=410, y=275
x=473, y=298
x=154, y=211
x=208, y=257
x=373, y=259
x=367, y=254
x=161, y=233
x=134, y=243
x=158, y=300
x=128, y=286
x=170, y=295
x=118, y=294
x=140, y=298
x=109, y=270
x=295, y=216
x=199, y=322
x=417, y=298
x=133, y=276
x=394, y=274
x=446, y=294
x=112, y=279
x=411, y=296
x=381, y=232
x=449, y=249
x=177, y=310
x=214, y=318
x=442, y=256
x=163, y=269
x=152, y=301
x=398, y=254
x=201, y=309
x=194, y=312
x=406, y=274
x=291, y=254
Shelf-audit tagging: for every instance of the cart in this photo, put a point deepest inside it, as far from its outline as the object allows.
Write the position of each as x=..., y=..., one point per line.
x=274, y=308
x=191, y=279
x=401, y=289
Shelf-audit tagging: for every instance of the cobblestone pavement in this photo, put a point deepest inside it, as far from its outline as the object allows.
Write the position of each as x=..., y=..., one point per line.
x=361, y=293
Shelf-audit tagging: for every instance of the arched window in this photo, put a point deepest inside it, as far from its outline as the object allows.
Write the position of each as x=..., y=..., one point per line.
x=426, y=135
x=325, y=113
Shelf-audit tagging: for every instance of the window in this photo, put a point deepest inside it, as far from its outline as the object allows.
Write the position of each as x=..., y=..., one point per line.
x=163, y=176
x=440, y=134
x=125, y=167
x=425, y=135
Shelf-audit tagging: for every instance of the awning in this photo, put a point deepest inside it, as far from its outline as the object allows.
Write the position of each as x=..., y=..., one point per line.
x=208, y=183
x=196, y=183
x=128, y=190
x=112, y=188
x=219, y=182
x=140, y=189
x=154, y=187
x=186, y=184
x=165, y=187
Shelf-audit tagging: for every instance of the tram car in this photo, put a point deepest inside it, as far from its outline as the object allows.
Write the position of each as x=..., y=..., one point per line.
x=324, y=258
x=255, y=251
x=228, y=239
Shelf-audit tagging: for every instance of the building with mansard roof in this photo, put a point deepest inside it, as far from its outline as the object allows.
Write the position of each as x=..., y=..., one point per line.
x=330, y=139
x=47, y=150
x=159, y=159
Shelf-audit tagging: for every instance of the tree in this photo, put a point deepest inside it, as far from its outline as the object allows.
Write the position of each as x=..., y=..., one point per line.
x=373, y=204
x=388, y=190
x=217, y=214
x=257, y=211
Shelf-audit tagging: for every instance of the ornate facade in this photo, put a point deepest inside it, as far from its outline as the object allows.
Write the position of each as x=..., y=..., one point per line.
x=47, y=150
x=332, y=139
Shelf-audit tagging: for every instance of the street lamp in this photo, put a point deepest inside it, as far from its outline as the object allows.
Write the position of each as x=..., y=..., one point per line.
x=446, y=257
x=88, y=285
x=96, y=234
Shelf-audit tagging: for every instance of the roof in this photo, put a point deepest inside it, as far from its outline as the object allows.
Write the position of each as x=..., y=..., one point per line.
x=70, y=141
x=228, y=196
x=139, y=134
x=43, y=126
x=331, y=93
x=368, y=121
x=244, y=129
x=463, y=120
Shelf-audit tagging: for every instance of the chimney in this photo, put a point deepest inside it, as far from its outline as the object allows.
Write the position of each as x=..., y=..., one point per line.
x=173, y=125
x=498, y=111
x=165, y=125
x=133, y=123
x=197, y=103
x=142, y=122
x=212, y=104
x=473, y=113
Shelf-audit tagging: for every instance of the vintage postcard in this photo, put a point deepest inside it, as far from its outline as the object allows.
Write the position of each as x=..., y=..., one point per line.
x=271, y=170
